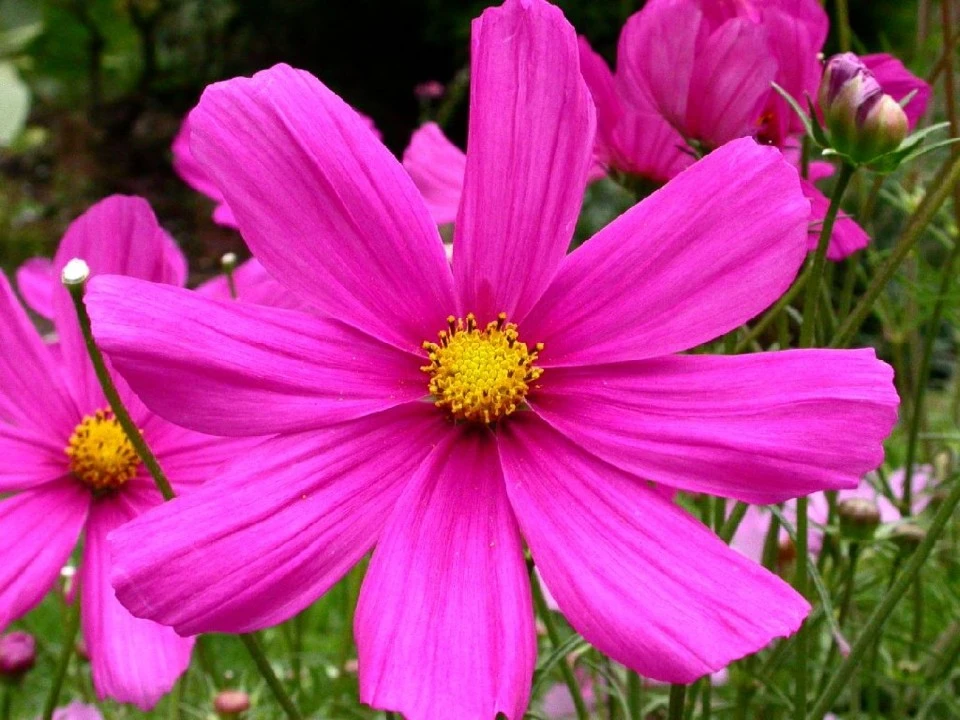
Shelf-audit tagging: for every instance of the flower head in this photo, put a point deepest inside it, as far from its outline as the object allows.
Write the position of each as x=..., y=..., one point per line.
x=18, y=653
x=68, y=466
x=447, y=472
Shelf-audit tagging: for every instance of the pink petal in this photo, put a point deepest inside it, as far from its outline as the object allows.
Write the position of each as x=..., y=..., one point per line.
x=444, y=623
x=131, y=660
x=228, y=368
x=30, y=457
x=436, y=166
x=77, y=711
x=324, y=205
x=35, y=281
x=256, y=545
x=40, y=528
x=640, y=579
x=731, y=83
x=254, y=285
x=899, y=82
x=699, y=257
x=193, y=174
x=32, y=394
x=847, y=237
x=529, y=149
x=119, y=235
x=759, y=428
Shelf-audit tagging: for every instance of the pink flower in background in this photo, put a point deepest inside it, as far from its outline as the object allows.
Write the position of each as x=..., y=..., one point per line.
x=898, y=82
x=69, y=469
x=436, y=166
x=77, y=711
x=429, y=90
x=253, y=284
x=578, y=398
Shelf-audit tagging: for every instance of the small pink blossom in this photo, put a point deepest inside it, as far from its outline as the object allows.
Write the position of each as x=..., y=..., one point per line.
x=383, y=440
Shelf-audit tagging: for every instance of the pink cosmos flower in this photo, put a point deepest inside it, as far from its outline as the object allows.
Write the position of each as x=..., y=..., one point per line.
x=419, y=413
x=69, y=469
x=436, y=166
x=77, y=711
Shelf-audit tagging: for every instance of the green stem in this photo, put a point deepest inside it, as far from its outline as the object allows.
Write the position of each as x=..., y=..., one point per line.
x=849, y=284
x=76, y=290
x=880, y=615
x=66, y=652
x=113, y=397
x=843, y=26
x=6, y=701
x=540, y=604
x=775, y=311
x=811, y=298
x=942, y=187
x=634, y=695
x=678, y=694
x=229, y=263
x=803, y=634
x=706, y=707
x=250, y=642
x=730, y=525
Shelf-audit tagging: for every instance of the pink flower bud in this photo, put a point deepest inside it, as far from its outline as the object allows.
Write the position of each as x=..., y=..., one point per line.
x=429, y=90
x=862, y=121
x=18, y=652
x=231, y=703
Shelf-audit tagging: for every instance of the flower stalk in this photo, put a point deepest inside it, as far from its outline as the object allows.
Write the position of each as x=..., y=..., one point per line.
x=72, y=626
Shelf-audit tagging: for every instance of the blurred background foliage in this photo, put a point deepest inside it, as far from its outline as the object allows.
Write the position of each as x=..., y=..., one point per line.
x=92, y=91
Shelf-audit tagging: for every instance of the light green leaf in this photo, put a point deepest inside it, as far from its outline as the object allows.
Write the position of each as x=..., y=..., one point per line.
x=14, y=103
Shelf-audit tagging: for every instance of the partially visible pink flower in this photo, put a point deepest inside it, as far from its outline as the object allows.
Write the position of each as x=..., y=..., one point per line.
x=77, y=711
x=383, y=438
x=18, y=653
x=253, y=284
x=631, y=138
x=436, y=166
x=35, y=283
x=68, y=469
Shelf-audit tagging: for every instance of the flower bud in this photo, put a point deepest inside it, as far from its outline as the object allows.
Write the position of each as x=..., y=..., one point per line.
x=429, y=90
x=18, y=652
x=862, y=121
x=859, y=517
x=908, y=536
x=231, y=703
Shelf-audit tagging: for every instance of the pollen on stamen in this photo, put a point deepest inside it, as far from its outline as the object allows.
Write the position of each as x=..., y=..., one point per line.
x=480, y=374
x=101, y=455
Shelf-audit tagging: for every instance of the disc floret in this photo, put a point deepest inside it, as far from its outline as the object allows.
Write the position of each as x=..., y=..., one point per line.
x=101, y=455
x=480, y=374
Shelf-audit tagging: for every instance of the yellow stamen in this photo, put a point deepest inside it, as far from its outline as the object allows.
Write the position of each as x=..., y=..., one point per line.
x=480, y=375
x=101, y=455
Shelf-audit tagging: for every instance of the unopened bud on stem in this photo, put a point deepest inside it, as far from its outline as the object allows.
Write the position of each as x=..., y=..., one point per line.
x=18, y=653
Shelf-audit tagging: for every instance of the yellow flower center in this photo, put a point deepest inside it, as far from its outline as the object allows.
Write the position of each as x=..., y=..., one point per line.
x=101, y=455
x=480, y=375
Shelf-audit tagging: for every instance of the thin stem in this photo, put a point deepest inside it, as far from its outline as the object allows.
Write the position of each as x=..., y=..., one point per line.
x=843, y=26
x=803, y=634
x=678, y=694
x=113, y=397
x=540, y=604
x=893, y=596
x=706, y=705
x=250, y=642
x=775, y=310
x=6, y=701
x=730, y=525
x=634, y=695
x=76, y=290
x=66, y=652
x=942, y=186
x=811, y=297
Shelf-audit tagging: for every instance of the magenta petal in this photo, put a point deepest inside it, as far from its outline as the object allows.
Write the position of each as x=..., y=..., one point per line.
x=899, y=82
x=640, y=579
x=847, y=237
x=40, y=528
x=529, y=148
x=32, y=394
x=229, y=368
x=253, y=285
x=275, y=530
x=699, y=257
x=760, y=428
x=193, y=174
x=444, y=623
x=35, y=281
x=323, y=204
x=29, y=458
x=436, y=166
x=131, y=660
x=119, y=235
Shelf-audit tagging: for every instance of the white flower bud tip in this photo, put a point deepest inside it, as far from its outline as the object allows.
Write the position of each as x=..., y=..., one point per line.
x=75, y=272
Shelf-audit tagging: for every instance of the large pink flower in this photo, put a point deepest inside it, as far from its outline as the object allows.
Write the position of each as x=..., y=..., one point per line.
x=69, y=468
x=448, y=459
